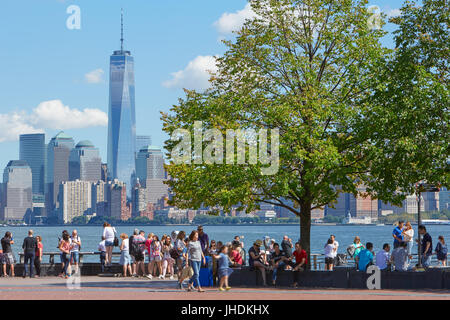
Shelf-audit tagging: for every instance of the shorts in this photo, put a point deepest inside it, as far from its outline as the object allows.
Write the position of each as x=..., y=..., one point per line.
x=109, y=243
x=329, y=260
x=75, y=256
x=8, y=258
x=125, y=258
x=139, y=257
x=156, y=258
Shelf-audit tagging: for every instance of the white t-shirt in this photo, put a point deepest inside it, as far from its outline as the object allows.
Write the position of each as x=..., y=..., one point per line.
x=126, y=244
x=329, y=248
x=74, y=246
x=101, y=246
x=335, y=245
x=409, y=235
x=382, y=259
x=108, y=233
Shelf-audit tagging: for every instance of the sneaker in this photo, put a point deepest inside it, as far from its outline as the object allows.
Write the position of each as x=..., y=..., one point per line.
x=149, y=276
x=171, y=277
x=221, y=289
x=227, y=288
x=161, y=277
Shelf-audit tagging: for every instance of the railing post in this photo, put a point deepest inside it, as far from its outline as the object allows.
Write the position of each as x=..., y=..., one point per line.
x=315, y=262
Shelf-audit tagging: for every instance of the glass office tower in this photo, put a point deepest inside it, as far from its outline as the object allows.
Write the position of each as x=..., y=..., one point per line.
x=32, y=150
x=121, y=118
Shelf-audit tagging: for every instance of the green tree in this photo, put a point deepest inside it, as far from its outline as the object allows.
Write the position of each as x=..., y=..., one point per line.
x=81, y=220
x=314, y=70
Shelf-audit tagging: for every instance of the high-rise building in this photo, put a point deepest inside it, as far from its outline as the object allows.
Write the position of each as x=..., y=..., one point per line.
x=444, y=199
x=85, y=162
x=99, y=198
x=121, y=117
x=341, y=208
x=16, y=203
x=142, y=141
x=151, y=174
x=57, y=169
x=363, y=206
x=104, y=169
x=117, y=205
x=75, y=200
x=33, y=151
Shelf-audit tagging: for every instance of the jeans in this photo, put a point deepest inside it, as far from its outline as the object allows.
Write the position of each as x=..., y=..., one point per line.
x=37, y=265
x=65, y=261
x=29, y=258
x=196, y=267
x=426, y=260
x=281, y=266
x=409, y=249
x=103, y=260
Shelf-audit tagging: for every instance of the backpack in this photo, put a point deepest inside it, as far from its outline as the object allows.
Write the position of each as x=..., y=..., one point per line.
x=351, y=250
x=444, y=249
x=174, y=254
x=341, y=259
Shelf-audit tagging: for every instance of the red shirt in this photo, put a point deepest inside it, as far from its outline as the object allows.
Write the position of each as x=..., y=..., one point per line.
x=236, y=257
x=39, y=246
x=300, y=256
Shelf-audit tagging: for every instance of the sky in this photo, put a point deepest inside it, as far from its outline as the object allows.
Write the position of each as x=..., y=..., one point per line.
x=54, y=74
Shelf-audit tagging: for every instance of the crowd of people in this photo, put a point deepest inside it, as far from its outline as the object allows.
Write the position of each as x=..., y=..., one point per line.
x=183, y=256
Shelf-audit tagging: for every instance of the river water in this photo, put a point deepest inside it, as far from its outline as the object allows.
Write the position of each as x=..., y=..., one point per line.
x=91, y=235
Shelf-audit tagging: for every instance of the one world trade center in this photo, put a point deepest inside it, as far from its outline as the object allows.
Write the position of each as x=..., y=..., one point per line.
x=121, y=117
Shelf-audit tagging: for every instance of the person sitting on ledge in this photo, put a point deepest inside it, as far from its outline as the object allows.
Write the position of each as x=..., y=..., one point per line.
x=277, y=261
x=256, y=259
x=383, y=258
x=235, y=255
x=301, y=260
x=365, y=257
x=400, y=257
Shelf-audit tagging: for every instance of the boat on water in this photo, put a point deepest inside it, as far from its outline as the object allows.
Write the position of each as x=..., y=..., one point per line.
x=436, y=222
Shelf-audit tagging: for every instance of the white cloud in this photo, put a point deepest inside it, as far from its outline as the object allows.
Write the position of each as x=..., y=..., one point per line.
x=95, y=76
x=230, y=22
x=51, y=114
x=393, y=13
x=195, y=76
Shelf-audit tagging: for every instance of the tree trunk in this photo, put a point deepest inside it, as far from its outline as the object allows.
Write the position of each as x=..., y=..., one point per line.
x=305, y=230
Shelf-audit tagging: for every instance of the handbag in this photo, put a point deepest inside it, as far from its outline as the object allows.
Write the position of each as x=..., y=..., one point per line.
x=174, y=254
x=116, y=240
x=187, y=272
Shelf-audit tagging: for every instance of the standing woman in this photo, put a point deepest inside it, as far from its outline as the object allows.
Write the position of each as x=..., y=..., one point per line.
x=156, y=256
x=64, y=247
x=180, y=246
x=441, y=251
x=195, y=260
x=168, y=261
x=125, y=258
x=408, y=237
x=358, y=247
x=109, y=233
x=38, y=258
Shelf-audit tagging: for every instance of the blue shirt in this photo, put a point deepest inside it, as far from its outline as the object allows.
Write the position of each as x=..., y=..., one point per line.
x=397, y=232
x=365, y=256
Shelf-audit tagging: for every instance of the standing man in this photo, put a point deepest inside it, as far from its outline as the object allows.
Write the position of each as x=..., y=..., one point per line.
x=333, y=254
x=286, y=246
x=8, y=256
x=397, y=234
x=204, y=240
x=29, y=251
x=426, y=246
x=75, y=245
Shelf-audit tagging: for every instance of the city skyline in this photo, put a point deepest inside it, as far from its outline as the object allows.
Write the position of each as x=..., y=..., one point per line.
x=73, y=63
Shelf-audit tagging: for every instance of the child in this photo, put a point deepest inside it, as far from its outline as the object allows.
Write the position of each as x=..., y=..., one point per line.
x=102, y=249
x=223, y=268
x=329, y=255
x=441, y=251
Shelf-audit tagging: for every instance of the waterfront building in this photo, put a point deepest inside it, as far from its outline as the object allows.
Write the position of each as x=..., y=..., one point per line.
x=104, y=172
x=99, y=198
x=16, y=203
x=340, y=208
x=411, y=204
x=444, y=199
x=85, y=162
x=363, y=206
x=431, y=201
x=121, y=117
x=57, y=169
x=33, y=151
x=75, y=200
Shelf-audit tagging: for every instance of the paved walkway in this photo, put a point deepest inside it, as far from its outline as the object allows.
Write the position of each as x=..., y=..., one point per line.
x=50, y=288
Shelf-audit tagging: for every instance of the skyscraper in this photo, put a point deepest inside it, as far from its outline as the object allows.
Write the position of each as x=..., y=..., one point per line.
x=16, y=202
x=142, y=141
x=57, y=169
x=75, y=200
x=121, y=116
x=85, y=163
x=32, y=150
x=151, y=174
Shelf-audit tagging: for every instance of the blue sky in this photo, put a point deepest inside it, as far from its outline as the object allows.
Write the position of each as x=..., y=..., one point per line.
x=55, y=78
